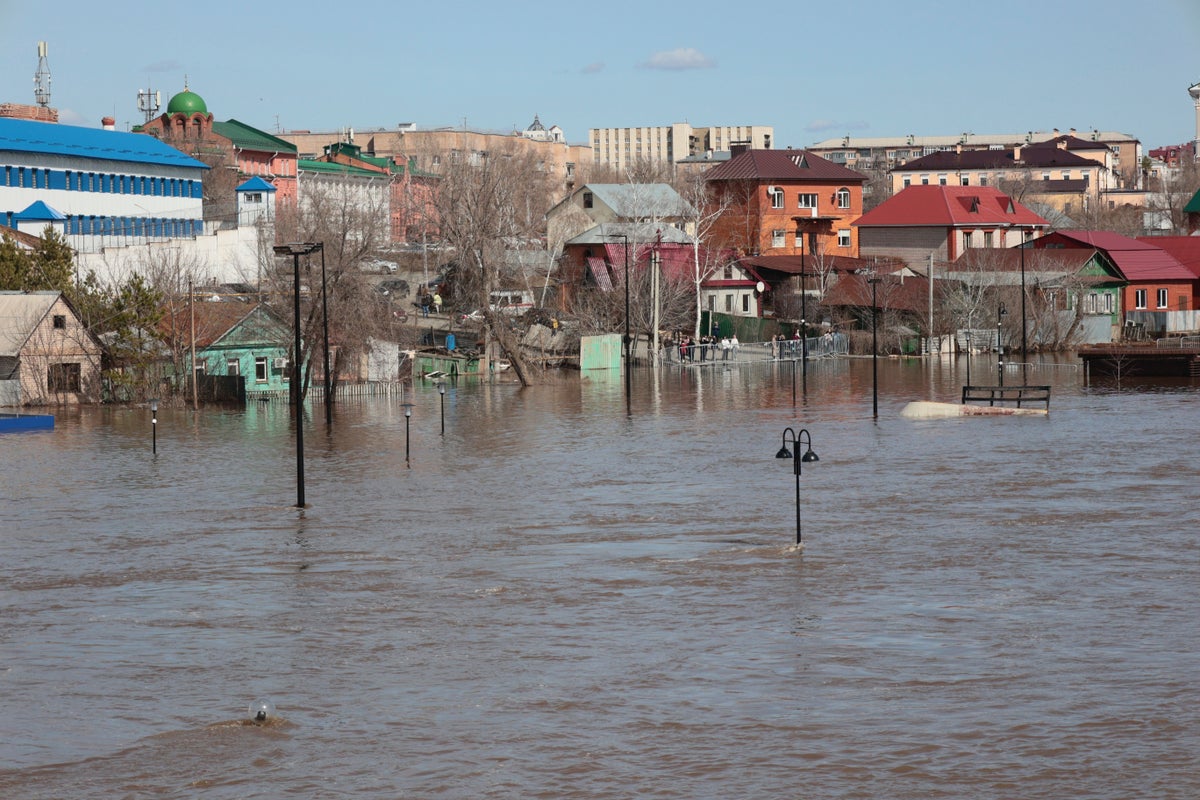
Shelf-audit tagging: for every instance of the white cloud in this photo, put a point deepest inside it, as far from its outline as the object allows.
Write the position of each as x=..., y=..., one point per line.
x=593, y=68
x=680, y=58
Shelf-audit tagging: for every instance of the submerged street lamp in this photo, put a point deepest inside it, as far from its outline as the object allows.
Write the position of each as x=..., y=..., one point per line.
x=295, y=250
x=874, y=281
x=1001, y=313
x=154, y=425
x=442, y=393
x=628, y=390
x=808, y=457
x=408, y=407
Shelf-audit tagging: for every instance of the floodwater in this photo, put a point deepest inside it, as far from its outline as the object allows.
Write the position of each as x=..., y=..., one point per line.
x=559, y=599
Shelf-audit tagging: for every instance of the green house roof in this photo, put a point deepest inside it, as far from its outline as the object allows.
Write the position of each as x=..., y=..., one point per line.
x=1193, y=206
x=308, y=165
x=249, y=138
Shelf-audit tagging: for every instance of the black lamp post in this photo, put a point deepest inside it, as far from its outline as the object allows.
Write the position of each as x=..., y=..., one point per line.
x=803, y=317
x=808, y=457
x=1001, y=313
x=874, y=281
x=325, y=342
x=408, y=407
x=1024, y=352
x=442, y=394
x=968, y=353
x=628, y=389
x=295, y=250
x=154, y=425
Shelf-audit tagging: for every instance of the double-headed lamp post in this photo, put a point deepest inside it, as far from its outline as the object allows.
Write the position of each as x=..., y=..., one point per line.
x=628, y=377
x=797, y=439
x=295, y=250
x=874, y=280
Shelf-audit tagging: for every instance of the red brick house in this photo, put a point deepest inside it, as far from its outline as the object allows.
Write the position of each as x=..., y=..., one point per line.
x=785, y=202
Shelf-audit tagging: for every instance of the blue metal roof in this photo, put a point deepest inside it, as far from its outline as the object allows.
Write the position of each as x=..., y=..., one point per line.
x=255, y=184
x=37, y=212
x=50, y=138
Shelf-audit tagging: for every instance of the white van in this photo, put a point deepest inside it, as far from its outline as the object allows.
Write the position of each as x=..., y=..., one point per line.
x=511, y=301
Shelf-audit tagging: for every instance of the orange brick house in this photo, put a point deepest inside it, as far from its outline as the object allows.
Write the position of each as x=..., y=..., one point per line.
x=785, y=202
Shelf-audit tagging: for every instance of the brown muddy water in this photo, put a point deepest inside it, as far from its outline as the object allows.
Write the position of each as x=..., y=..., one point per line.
x=561, y=600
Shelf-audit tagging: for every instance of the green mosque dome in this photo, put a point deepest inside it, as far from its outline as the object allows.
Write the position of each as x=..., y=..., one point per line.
x=187, y=102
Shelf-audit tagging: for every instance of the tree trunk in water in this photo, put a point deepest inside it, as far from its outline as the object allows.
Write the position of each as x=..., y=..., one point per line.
x=498, y=325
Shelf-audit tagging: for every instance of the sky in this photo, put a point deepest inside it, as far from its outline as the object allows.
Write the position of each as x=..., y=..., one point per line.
x=813, y=71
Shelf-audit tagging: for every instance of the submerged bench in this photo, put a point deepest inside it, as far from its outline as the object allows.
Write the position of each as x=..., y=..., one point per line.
x=1007, y=394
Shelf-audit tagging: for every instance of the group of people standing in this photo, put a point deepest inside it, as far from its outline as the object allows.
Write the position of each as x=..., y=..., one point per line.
x=690, y=347
x=426, y=300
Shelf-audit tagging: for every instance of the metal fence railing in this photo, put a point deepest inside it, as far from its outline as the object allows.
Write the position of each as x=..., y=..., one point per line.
x=828, y=345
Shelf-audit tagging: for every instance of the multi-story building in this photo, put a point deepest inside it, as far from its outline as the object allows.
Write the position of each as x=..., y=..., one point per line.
x=429, y=150
x=620, y=148
x=886, y=152
x=786, y=202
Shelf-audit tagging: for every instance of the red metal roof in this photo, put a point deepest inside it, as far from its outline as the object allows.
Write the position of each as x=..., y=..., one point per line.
x=1185, y=249
x=950, y=206
x=1137, y=260
x=782, y=165
x=893, y=292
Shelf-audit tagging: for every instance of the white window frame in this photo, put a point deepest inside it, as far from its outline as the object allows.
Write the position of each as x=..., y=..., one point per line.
x=778, y=238
x=843, y=198
x=843, y=237
x=1139, y=298
x=807, y=200
x=776, y=197
x=1163, y=298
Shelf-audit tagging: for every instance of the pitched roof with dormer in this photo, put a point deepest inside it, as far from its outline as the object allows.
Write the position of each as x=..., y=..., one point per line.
x=950, y=206
x=782, y=165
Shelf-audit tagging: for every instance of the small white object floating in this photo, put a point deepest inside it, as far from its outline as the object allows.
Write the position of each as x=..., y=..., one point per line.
x=923, y=409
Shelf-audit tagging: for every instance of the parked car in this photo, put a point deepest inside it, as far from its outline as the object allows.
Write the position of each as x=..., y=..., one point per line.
x=395, y=287
x=378, y=264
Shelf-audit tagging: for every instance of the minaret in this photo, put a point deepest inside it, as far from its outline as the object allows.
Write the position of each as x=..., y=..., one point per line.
x=1194, y=91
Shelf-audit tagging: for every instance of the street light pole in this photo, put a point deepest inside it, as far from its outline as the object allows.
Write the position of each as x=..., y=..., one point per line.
x=408, y=407
x=874, y=281
x=442, y=393
x=154, y=426
x=628, y=377
x=325, y=344
x=808, y=457
x=1001, y=313
x=295, y=250
x=803, y=317
x=1024, y=351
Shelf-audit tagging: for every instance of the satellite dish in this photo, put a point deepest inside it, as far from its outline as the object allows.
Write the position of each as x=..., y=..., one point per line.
x=760, y=287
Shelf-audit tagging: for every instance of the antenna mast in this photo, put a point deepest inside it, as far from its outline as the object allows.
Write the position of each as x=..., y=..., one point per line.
x=149, y=101
x=41, y=78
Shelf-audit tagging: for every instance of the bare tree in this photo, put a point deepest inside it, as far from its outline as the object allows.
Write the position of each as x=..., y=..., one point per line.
x=707, y=208
x=484, y=205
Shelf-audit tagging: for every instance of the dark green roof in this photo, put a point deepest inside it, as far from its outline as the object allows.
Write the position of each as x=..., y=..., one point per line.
x=308, y=165
x=1193, y=206
x=248, y=138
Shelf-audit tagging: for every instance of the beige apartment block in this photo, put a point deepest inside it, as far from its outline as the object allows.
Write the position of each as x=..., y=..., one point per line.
x=621, y=147
x=434, y=148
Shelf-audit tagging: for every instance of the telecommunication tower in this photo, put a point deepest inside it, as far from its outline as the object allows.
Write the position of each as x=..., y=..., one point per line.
x=149, y=101
x=41, y=78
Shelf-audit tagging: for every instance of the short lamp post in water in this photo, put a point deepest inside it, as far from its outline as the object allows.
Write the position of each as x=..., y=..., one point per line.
x=1001, y=313
x=408, y=407
x=797, y=440
x=154, y=425
x=442, y=393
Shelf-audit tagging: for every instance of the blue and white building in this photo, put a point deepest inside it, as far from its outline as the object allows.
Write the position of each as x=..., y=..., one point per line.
x=99, y=187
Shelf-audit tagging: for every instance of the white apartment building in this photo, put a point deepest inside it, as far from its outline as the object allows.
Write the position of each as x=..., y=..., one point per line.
x=668, y=144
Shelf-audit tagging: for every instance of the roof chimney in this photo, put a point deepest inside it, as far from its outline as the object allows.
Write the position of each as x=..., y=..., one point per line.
x=108, y=123
x=737, y=149
x=1017, y=154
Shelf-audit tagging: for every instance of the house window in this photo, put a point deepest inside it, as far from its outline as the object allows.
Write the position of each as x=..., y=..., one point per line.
x=729, y=303
x=776, y=197
x=924, y=180
x=260, y=370
x=60, y=321
x=964, y=180
x=233, y=366
x=745, y=304
x=1162, y=298
x=941, y=180
x=983, y=180
x=712, y=302
x=989, y=239
x=588, y=200
x=907, y=182
x=807, y=201
x=63, y=378
x=778, y=238
x=843, y=198
x=253, y=197
x=1139, y=298
x=844, y=237
x=1108, y=303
